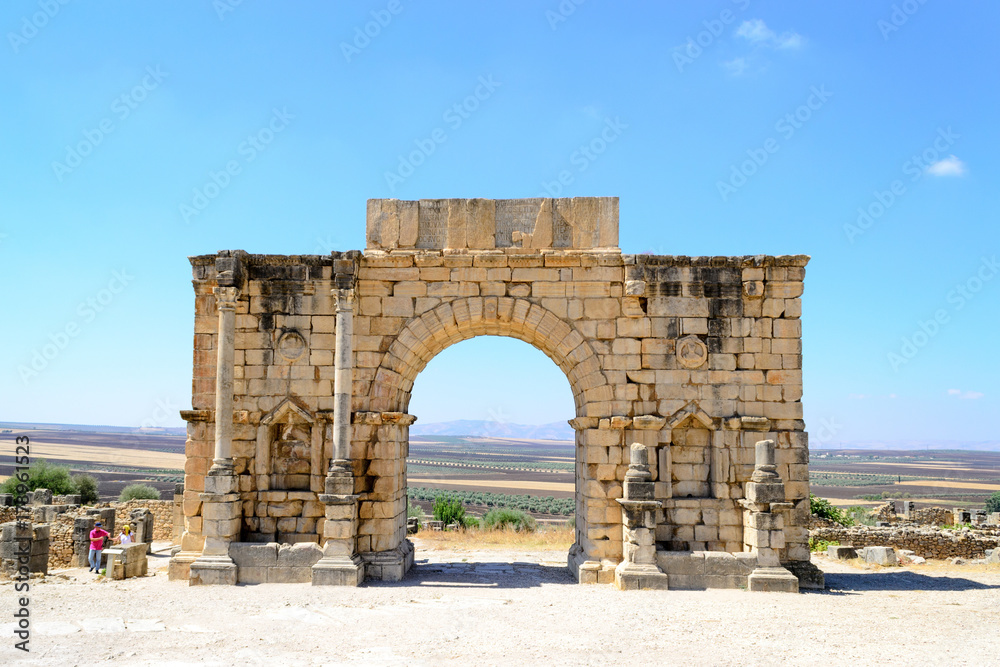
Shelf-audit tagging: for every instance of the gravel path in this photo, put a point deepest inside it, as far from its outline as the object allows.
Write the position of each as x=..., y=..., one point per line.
x=496, y=607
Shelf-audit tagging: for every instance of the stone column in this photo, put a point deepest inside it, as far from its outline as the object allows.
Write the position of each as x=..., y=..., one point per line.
x=341, y=565
x=225, y=299
x=343, y=378
x=638, y=570
x=763, y=526
x=220, y=502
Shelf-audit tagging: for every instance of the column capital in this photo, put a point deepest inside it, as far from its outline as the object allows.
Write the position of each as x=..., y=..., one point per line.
x=343, y=299
x=225, y=297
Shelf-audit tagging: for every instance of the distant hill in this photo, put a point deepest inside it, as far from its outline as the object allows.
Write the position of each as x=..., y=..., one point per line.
x=494, y=429
x=91, y=428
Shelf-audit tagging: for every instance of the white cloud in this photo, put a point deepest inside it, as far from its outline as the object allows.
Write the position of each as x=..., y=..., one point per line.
x=966, y=395
x=790, y=40
x=949, y=166
x=756, y=32
x=736, y=66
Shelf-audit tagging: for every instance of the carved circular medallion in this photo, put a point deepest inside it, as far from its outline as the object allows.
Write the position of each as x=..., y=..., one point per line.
x=291, y=345
x=691, y=352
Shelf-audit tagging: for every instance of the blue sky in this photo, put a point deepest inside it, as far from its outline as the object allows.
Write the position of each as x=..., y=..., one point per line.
x=136, y=134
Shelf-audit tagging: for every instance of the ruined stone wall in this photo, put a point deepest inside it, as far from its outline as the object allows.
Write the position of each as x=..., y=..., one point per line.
x=163, y=521
x=924, y=542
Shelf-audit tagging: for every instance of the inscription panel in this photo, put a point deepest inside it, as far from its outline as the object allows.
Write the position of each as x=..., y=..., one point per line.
x=432, y=223
x=515, y=215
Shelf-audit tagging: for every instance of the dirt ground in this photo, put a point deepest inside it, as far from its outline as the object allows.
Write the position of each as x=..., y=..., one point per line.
x=499, y=607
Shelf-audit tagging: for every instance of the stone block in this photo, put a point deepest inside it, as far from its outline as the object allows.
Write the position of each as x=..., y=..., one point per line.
x=841, y=552
x=246, y=554
x=681, y=562
x=289, y=575
x=880, y=556
x=303, y=554
x=773, y=580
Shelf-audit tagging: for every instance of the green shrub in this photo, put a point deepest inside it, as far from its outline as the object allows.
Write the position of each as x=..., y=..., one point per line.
x=449, y=510
x=993, y=503
x=138, y=492
x=413, y=511
x=499, y=519
x=822, y=508
x=86, y=486
x=470, y=522
x=821, y=545
x=43, y=475
x=861, y=516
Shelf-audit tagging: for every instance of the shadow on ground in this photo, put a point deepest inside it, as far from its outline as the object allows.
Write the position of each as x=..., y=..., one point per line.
x=481, y=575
x=902, y=580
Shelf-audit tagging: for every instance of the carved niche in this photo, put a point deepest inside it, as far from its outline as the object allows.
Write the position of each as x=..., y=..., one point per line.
x=289, y=450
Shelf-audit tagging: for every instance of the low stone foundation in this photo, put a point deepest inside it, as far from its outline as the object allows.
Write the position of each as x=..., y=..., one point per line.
x=923, y=542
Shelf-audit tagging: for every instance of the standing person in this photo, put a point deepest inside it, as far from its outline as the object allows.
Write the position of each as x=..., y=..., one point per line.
x=125, y=537
x=97, y=536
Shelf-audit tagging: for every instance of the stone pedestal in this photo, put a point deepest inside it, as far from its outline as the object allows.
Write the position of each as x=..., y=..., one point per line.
x=638, y=570
x=340, y=565
x=763, y=525
x=221, y=510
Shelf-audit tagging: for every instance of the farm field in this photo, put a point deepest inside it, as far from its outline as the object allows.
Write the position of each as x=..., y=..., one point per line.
x=521, y=468
x=928, y=477
x=115, y=459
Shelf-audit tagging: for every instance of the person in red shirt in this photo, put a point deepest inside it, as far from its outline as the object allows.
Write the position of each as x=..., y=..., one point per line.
x=97, y=536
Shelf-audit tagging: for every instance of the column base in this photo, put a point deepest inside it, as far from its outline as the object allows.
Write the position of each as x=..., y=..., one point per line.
x=809, y=576
x=635, y=577
x=338, y=572
x=179, y=566
x=212, y=571
x=773, y=580
x=389, y=565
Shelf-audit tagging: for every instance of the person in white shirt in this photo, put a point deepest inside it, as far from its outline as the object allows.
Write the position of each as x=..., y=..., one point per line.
x=125, y=537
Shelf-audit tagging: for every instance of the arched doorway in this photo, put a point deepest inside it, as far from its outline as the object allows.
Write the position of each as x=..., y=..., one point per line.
x=383, y=446
x=492, y=442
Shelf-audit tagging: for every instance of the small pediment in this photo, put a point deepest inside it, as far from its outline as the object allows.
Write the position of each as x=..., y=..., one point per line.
x=288, y=412
x=691, y=414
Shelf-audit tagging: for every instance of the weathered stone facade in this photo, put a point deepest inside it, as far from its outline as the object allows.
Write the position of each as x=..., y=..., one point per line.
x=695, y=358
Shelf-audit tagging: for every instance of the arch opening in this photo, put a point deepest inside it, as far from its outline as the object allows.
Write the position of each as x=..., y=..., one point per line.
x=492, y=439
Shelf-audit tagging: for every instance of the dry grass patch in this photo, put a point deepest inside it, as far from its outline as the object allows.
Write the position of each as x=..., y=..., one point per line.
x=543, y=538
x=508, y=484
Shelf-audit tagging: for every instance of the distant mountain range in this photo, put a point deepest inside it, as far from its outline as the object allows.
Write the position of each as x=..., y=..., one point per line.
x=494, y=429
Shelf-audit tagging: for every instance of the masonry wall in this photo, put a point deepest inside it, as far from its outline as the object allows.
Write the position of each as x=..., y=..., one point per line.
x=695, y=357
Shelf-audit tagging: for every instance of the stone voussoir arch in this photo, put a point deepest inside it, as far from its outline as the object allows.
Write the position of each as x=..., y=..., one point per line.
x=428, y=334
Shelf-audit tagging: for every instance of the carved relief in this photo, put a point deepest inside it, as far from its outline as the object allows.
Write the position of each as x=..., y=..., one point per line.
x=691, y=352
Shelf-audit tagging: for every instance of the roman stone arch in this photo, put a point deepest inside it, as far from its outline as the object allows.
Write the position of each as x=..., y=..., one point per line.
x=685, y=372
